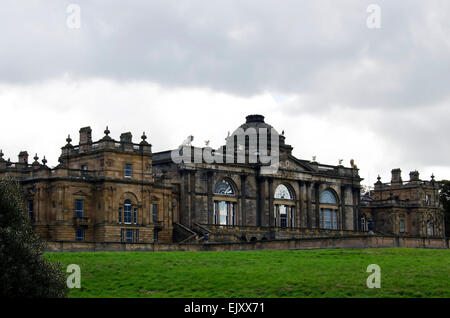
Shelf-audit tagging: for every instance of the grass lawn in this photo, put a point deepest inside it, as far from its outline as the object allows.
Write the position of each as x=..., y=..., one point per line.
x=302, y=273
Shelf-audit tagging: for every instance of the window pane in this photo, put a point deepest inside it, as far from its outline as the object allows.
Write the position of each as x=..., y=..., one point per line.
x=283, y=216
x=127, y=211
x=155, y=212
x=128, y=170
x=223, y=212
x=135, y=215
x=327, y=219
x=327, y=197
x=282, y=192
x=79, y=208
x=129, y=236
x=223, y=188
x=80, y=234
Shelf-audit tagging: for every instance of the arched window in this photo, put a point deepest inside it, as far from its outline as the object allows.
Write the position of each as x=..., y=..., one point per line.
x=127, y=216
x=328, y=211
x=223, y=188
x=284, y=207
x=225, y=204
x=327, y=197
x=282, y=192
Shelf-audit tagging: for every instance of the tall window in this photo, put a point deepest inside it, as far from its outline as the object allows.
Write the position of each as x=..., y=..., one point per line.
x=155, y=212
x=129, y=236
x=127, y=212
x=155, y=236
x=284, y=207
x=402, y=226
x=79, y=208
x=135, y=215
x=363, y=223
x=79, y=235
x=328, y=218
x=224, y=204
x=128, y=170
x=120, y=215
x=30, y=210
x=429, y=229
x=137, y=236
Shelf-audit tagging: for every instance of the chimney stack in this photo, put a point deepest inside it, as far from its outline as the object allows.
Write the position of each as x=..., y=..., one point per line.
x=414, y=176
x=85, y=138
x=23, y=157
x=396, y=176
x=126, y=141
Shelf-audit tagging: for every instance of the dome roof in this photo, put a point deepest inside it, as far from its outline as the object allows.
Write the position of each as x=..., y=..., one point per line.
x=256, y=121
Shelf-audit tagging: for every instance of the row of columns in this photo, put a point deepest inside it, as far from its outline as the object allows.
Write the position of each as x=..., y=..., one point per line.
x=265, y=190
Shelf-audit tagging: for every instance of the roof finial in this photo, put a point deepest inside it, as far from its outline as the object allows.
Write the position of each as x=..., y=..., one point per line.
x=44, y=161
x=143, y=137
x=36, y=158
x=106, y=131
x=68, y=139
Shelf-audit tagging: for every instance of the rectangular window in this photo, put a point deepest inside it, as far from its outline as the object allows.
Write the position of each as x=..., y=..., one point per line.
x=402, y=226
x=223, y=212
x=80, y=234
x=30, y=210
x=121, y=235
x=84, y=167
x=137, y=236
x=128, y=170
x=129, y=236
x=155, y=212
x=335, y=220
x=283, y=216
x=155, y=236
x=120, y=215
x=135, y=215
x=327, y=219
x=79, y=208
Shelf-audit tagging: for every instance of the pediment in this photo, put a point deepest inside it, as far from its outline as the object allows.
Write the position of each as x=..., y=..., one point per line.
x=292, y=163
x=80, y=193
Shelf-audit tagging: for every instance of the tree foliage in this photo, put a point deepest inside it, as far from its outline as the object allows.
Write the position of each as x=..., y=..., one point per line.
x=24, y=270
x=444, y=195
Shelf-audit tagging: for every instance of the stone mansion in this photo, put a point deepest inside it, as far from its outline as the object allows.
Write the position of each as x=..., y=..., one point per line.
x=119, y=191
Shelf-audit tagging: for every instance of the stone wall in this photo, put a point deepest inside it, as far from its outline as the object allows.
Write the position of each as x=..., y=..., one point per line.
x=293, y=244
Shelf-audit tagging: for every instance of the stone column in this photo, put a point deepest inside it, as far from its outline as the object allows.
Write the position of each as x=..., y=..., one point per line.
x=308, y=205
x=317, y=206
x=261, y=219
x=209, y=191
x=300, y=220
x=243, y=200
x=192, y=214
x=342, y=214
x=270, y=193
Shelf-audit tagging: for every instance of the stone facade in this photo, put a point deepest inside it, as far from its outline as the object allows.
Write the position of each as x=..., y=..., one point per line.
x=92, y=196
x=112, y=191
x=249, y=208
x=410, y=208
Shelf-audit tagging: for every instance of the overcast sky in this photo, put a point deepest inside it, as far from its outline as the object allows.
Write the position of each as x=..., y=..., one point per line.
x=339, y=89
